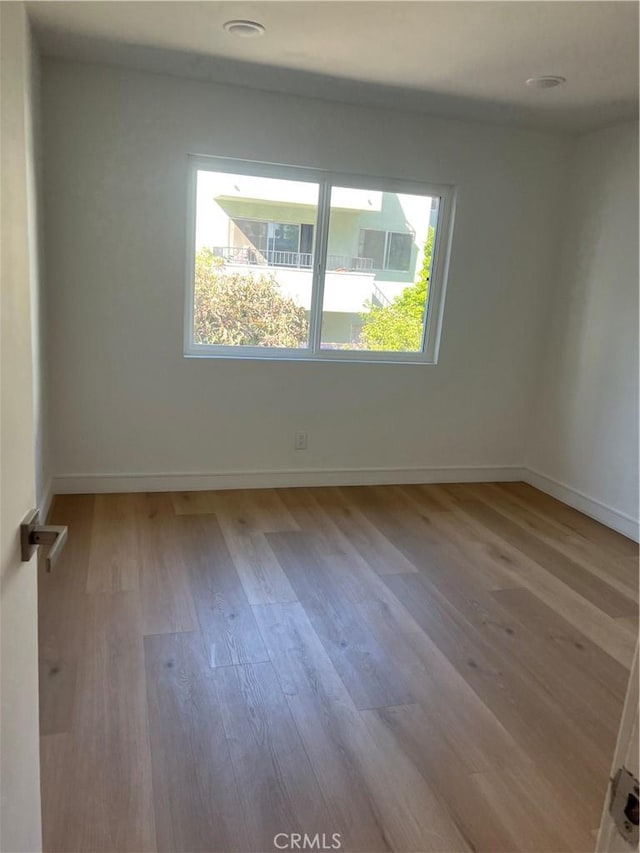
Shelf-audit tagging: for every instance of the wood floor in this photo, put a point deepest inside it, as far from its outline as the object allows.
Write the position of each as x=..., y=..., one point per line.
x=414, y=668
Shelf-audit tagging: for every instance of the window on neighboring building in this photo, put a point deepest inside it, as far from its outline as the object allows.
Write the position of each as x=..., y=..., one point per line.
x=274, y=243
x=389, y=250
x=399, y=247
x=372, y=245
x=292, y=263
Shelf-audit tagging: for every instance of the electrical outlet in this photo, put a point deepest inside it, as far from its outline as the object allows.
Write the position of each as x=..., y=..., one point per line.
x=300, y=440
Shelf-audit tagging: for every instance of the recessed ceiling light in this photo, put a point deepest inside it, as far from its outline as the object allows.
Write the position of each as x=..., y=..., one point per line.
x=547, y=81
x=244, y=29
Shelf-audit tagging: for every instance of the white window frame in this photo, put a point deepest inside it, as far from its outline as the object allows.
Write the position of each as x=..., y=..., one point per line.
x=326, y=180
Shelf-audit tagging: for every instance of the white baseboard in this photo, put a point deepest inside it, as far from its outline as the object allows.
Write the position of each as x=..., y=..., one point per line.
x=281, y=478
x=601, y=512
x=102, y=483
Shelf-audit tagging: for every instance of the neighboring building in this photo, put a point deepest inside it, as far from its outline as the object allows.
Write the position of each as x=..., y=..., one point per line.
x=376, y=241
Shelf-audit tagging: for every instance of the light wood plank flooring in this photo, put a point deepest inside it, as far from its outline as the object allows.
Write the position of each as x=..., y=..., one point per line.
x=414, y=668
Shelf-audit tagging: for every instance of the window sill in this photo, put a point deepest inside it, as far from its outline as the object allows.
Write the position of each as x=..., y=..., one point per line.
x=314, y=358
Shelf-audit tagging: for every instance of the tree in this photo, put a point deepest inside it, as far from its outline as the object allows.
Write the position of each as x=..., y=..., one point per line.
x=238, y=308
x=398, y=326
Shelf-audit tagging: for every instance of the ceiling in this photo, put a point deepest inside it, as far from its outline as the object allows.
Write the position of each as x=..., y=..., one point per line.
x=466, y=60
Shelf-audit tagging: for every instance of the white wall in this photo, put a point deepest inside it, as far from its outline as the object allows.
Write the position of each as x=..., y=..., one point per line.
x=38, y=290
x=20, y=445
x=126, y=401
x=585, y=433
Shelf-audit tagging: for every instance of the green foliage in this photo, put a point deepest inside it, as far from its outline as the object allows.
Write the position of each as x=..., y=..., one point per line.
x=237, y=308
x=398, y=326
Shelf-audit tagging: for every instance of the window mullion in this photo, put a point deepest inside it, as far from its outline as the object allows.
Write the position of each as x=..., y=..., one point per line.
x=319, y=266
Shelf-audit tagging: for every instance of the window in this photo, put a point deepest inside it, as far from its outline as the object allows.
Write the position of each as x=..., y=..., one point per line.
x=388, y=250
x=276, y=243
x=288, y=262
x=398, y=255
x=372, y=245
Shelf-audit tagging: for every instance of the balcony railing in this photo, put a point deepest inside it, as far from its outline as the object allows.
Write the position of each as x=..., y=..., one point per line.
x=349, y=263
x=292, y=260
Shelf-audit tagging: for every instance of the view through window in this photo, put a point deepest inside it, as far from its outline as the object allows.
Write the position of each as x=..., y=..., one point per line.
x=309, y=267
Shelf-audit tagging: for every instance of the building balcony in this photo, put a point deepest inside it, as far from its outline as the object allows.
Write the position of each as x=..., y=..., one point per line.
x=249, y=256
x=345, y=291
